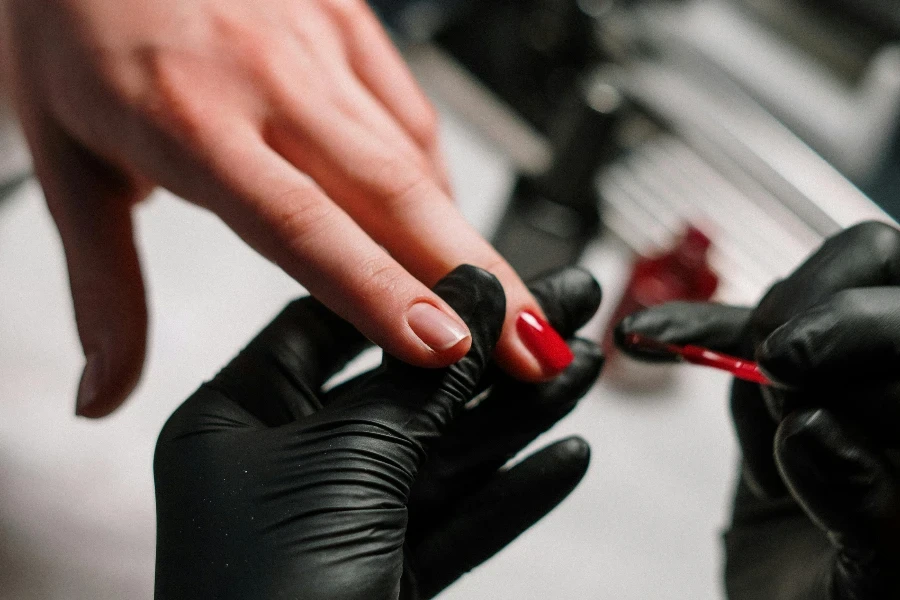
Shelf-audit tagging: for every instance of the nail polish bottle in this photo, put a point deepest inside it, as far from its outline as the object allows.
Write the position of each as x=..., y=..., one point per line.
x=681, y=273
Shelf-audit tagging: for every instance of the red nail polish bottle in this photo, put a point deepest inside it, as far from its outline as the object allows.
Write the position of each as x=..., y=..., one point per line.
x=682, y=273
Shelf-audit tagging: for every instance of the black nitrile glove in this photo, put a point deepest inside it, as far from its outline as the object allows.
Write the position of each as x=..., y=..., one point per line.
x=387, y=486
x=817, y=512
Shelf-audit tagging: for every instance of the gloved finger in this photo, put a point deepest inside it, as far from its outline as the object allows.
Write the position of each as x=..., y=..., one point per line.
x=755, y=429
x=854, y=336
x=844, y=348
x=716, y=326
x=484, y=523
x=569, y=296
x=851, y=490
x=421, y=403
x=514, y=413
x=279, y=375
x=276, y=378
x=91, y=204
x=866, y=255
x=486, y=437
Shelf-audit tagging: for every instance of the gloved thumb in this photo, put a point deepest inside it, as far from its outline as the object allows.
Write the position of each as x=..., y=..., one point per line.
x=420, y=403
x=91, y=204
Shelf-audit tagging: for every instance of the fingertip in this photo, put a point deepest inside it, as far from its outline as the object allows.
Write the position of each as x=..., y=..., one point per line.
x=575, y=447
x=571, y=458
x=465, y=314
x=430, y=337
x=439, y=359
x=531, y=350
x=569, y=297
x=582, y=374
x=438, y=330
x=622, y=330
x=107, y=380
x=533, y=347
x=654, y=323
x=589, y=353
x=113, y=332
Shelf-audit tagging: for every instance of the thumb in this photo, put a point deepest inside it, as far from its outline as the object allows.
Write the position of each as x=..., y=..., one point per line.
x=91, y=204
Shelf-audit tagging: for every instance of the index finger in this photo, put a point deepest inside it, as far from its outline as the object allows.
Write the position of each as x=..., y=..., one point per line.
x=283, y=214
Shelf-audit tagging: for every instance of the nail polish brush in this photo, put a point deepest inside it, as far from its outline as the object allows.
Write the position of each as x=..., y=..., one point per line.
x=747, y=370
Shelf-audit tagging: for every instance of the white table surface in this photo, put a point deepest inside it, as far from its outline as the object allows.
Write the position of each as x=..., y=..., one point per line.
x=76, y=497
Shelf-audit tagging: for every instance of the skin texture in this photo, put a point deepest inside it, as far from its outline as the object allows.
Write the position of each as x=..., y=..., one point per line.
x=385, y=487
x=296, y=122
x=817, y=511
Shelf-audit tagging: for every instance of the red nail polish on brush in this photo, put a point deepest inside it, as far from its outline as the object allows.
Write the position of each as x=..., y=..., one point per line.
x=544, y=343
x=747, y=370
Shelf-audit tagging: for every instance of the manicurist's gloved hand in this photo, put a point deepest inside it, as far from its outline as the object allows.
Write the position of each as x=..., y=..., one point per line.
x=817, y=511
x=391, y=485
x=295, y=121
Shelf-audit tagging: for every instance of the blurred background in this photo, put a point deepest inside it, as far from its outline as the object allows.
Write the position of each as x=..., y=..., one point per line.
x=676, y=148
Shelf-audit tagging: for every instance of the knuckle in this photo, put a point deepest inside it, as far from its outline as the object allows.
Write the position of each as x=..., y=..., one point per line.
x=407, y=197
x=348, y=11
x=878, y=238
x=852, y=301
x=261, y=56
x=119, y=83
x=806, y=338
x=383, y=278
x=425, y=125
x=166, y=99
x=402, y=186
x=300, y=214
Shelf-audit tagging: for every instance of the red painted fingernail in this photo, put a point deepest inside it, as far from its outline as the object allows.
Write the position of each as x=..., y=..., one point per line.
x=545, y=344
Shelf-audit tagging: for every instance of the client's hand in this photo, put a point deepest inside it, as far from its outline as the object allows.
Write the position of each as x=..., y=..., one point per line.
x=391, y=485
x=817, y=512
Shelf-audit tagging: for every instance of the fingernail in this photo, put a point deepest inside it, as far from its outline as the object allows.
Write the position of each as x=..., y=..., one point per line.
x=91, y=382
x=544, y=343
x=436, y=328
